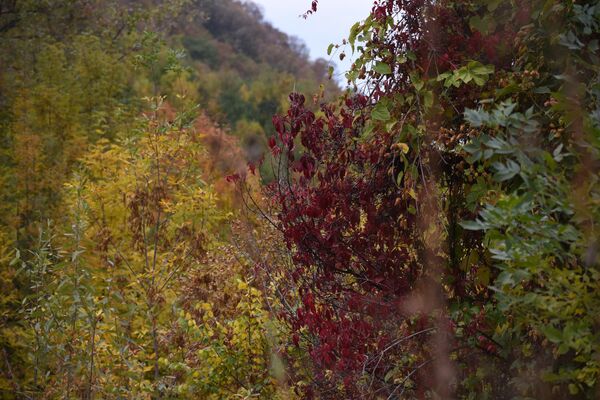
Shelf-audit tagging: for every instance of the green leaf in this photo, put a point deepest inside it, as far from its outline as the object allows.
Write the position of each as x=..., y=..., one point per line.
x=368, y=130
x=380, y=113
x=493, y=4
x=354, y=31
x=542, y=90
x=16, y=258
x=443, y=76
x=482, y=276
x=399, y=178
x=417, y=83
x=480, y=69
x=573, y=389
x=506, y=171
x=472, y=225
x=428, y=99
x=554, y=335
x=484, y=25
x=479, y=81
x=330, y=49
x=382, y=68
x=474, y=117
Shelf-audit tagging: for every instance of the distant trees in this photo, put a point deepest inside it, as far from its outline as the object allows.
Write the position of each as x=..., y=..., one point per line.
x=245, y=68
x=241, y=25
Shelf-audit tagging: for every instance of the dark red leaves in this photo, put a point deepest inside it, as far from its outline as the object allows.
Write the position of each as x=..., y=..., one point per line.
x=347, y=218
x=340, y=216
x=233, y=178
x=313, y=9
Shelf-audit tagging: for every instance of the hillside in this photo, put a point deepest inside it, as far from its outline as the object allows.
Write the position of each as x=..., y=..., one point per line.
x=245, y=68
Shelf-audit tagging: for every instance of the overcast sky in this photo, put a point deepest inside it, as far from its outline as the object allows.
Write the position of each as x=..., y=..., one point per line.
x=329, y=25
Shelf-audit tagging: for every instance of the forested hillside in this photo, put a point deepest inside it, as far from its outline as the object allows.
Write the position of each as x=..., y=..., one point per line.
x=191, y=209
x=243, y=69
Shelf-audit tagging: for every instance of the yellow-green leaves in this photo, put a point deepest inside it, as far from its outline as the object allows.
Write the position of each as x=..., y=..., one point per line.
x=403, y=147
x=150, y=218
x=474, y=72
x=234, y=354
x=354, y=31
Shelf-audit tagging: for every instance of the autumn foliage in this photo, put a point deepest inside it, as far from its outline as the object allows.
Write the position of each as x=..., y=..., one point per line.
x=461, y=116
x=176, y=225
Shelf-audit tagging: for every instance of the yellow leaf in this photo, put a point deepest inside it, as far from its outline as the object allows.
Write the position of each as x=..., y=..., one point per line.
x=412, y=193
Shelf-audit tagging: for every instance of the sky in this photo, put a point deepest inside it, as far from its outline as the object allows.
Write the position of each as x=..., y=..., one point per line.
x=330, y=24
